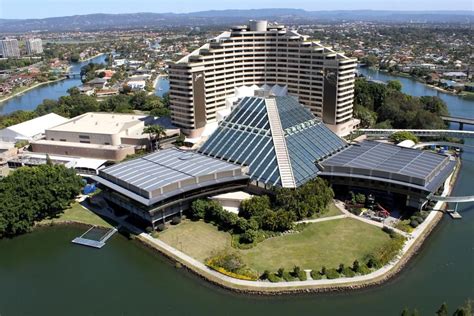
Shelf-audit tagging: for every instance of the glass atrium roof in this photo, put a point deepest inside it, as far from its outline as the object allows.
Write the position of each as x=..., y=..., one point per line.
x=247, y=137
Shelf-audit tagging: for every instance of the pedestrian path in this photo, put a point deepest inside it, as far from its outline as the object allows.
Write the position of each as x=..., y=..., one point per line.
x=324, y=219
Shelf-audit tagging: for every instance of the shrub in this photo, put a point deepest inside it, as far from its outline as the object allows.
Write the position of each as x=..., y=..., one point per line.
x=332, y=274
x=248, y=237
x=272, y=277
x=161, y=227
x=323, y=270
x=363, y=269
x=280, y=272
x=315, y=275
x=302, y=276
x=231, y=264
x=214, y=211
x=296, y=270
x=419, y=219
x=265, y=275
x=341, y=268
x=254, y=206
x=414, y=223
x=198, y=209
x=372, y=262
x=360, y=198
x=355, y=266
x=241, y=225
x=348, y=272
x=149, y=229
x=176, y=220
x=287, y=276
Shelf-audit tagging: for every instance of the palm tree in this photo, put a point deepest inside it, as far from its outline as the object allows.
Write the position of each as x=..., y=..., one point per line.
x=155, y=133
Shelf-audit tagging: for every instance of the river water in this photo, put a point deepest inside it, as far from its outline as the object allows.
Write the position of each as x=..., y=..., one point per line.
x=30, y=99
x=42, y=273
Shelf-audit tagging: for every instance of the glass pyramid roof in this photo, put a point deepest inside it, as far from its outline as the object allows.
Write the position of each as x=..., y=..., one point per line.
x=245, y=137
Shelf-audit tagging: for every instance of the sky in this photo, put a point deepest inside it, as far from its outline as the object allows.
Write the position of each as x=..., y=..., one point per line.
x=22, y=9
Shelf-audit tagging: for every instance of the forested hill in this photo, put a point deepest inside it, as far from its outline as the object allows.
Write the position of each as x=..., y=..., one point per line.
x=90, y=22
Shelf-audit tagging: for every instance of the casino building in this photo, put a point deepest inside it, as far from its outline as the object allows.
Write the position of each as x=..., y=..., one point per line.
x=267, y=142
x=262, y=54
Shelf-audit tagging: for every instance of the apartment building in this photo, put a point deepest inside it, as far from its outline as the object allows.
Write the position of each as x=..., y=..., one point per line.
x=34, y=46
x=262, y=54
x=9, y=48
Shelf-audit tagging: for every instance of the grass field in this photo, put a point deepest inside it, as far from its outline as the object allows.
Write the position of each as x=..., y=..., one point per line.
x=77, y=213
x=197, y=239
x=332, y=211
x=320, y=244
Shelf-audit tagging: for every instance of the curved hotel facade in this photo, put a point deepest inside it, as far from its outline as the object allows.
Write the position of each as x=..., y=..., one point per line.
x=261, y=54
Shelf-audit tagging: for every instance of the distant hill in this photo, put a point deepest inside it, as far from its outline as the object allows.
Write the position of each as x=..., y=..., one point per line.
x=99, y=21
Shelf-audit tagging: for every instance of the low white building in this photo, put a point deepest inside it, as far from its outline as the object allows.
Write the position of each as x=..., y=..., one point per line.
x=31, y=130
x=136, y=85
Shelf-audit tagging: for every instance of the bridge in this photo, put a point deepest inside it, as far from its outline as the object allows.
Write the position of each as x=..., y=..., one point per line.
x=73, y=75
x=417, y=132
x=447, y=144
x=451, y=199
x=460, y=120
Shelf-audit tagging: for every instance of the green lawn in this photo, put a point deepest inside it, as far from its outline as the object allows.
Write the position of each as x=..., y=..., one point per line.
x=200, y=240
x=77, y=213
x=320, y=244
x=332, y=211
x=326, y=243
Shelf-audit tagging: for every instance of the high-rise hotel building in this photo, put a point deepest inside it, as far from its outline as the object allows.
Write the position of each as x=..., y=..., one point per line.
x=262, y=54
x=9, y=48
x=34, y=46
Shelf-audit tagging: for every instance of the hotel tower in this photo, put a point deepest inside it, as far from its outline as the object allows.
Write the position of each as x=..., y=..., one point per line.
x=261, y=55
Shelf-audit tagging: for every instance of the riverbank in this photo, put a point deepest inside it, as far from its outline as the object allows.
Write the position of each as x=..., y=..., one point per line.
x=407, y=76
x=410, y=249
x=36, y=85
x=412, y=246
x=90, y=58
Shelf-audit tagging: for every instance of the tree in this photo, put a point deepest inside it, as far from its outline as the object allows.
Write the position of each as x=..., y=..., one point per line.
x=367, y=117
x=355, y=266
x=254, y=207
x=403, y=135
x=73, y=91
x=155, y=132
x=249, y=236
x=360, y=198
x=394, y=85
x=33, y=193
x=198, y=209
x=443, y=310
x=370, y=60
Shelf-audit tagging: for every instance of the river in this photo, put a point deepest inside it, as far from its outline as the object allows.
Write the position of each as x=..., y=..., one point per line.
x=42, y=273
x=30, y=99
x=458, y=106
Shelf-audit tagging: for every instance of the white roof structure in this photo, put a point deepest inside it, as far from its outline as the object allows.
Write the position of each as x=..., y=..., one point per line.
x=407, y=143
x=70, y=162
x=100, y=123
x=31, y=130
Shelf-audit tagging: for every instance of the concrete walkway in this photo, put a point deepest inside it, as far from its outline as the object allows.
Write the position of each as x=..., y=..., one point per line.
x=324, y=219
